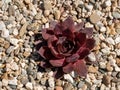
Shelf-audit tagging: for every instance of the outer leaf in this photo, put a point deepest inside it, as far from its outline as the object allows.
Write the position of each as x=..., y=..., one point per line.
x=83, y=52
x=80, y=68
x=87, y=31
x=46, y=34
x=79, y=26
x=45, y=52
x=57, y=62
x=68, y=68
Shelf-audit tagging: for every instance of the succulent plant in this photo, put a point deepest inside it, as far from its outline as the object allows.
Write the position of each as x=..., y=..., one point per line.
x=65, y=47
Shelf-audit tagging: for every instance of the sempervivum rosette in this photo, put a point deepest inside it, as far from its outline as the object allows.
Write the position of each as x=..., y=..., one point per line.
x=66, y=47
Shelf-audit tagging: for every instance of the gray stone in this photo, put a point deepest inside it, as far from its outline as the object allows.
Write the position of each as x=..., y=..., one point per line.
x=116, y=15
x=10, y=49
x=80, y=84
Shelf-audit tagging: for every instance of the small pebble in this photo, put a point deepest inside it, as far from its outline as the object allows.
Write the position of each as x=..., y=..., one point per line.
x=116, y=15
x=58, y=88
x=117, y=40
x=38, y=88
x=108, y=3
x=92, y=57
x=29, y=86
x=68, y=78
x=13, y=81
x=106, y=79
x=57, y=14
x=51, y=82
x=94, y=18
x=4, y=82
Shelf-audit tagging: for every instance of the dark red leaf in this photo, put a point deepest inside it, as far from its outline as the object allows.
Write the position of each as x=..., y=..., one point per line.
x=81, y=37
x=68, y=68
x=45, y=64
x=80, y=68
x=83, y=52
x=72, y=58
x=45, y=52
x=57, y=62
x=90, y=43
x=58, y=73
x=46, y=34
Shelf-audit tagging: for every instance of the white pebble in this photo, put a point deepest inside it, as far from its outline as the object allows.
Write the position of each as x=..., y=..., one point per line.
x=89, y=7
x=14, y=66
x=117, y=40
x=108, y=3
x=38, y=88
x=13, y=81
x=117, y=69
x=5, y=33
x=68, y=78
x=117, y=51
x=39, y=75
x=51, y=82
x=102, y=65
x=15, y=31
x=50, y=73
x=92, y=57
x=102, y=29
x=106, y=51
x=2, y=25
x=29, y=86
x=14, y=41
x=110, y=41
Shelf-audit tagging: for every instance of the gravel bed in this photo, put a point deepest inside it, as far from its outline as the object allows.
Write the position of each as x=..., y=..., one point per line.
x=21, y=19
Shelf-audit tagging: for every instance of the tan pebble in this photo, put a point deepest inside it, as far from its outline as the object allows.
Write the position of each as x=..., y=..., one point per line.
x=1, y=40
x=5, y=76
x=58, y=82
x=23, y=29
x=2, y=65
x=26, y=54
x=106, y=79
x=47, y=5
x=118, y=62
x=84, y=87
x=92, y=69
x=27, y=1
x=109, y=67
x=6, y=44
x=46, y=12
x=58, y=88
x=117, y=25
x=111, y=30
x=57, y=14
x=94, y=18
x=44, y=20
x=38, y=16
x=11, y=10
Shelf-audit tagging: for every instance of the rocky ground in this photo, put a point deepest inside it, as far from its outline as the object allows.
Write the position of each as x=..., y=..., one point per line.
x=21, y=19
